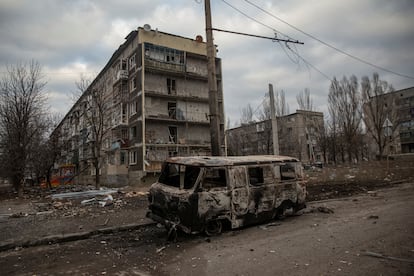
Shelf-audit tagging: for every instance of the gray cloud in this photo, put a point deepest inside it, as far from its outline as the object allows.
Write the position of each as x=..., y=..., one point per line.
x=73, y=37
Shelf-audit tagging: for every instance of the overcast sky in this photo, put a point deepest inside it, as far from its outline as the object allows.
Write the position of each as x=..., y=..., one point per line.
x=68, y=38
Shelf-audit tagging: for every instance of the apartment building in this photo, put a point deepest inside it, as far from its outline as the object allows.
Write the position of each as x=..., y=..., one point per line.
x=155, y=91
x=398, y=108
x=297, y=136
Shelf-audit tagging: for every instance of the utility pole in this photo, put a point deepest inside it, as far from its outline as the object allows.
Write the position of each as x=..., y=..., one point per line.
x=275, y=134
x=212, y=85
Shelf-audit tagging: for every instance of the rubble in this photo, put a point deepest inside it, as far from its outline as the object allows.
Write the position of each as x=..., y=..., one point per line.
x=84, y=194
x=107, y=200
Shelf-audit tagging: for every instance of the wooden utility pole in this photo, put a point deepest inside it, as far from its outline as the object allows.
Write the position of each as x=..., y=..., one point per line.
x=212, y=85
x=275, y=134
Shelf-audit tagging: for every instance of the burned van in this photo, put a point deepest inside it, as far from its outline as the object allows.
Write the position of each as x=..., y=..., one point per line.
x=198, y=194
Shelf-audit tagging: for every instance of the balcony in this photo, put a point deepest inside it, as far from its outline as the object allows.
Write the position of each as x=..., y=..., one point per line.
x=164, y=66
x=122, y=75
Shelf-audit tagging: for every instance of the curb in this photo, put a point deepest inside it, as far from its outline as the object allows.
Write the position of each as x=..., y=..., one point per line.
x=52, y=239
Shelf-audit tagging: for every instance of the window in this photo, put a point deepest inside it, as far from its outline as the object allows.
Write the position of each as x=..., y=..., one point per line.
x=172, y=107
x=171, y=86
x=122, y=158
x=287, y=171
x=132, y=62
x=260, y=127
x=170, y=58
x=172, y=152
x=133, y=157
x=172, y=134
x=179, y=176
x=133, y=132
x=124, y=133
x=123, y=64
x=133, y=84
x=124, y=114
x=132, y=108
x=214, y=178
x=256, y=176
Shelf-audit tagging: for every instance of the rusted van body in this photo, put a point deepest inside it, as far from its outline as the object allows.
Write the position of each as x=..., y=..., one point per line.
x=198, y=194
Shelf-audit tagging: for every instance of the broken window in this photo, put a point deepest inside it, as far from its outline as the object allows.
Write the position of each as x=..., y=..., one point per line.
x=133, y=157
x=171, y=86
x=133, y=132
x=179, y=176
x=260, y=127
x=256, y=176
x=132, y=108
x=122, y=158
x=172, y=130
x=133, y=84
x=287, y=171
x=190, y=176
x=132, y=62
x=214, y=178
x=124, y=133
x=172, y=152
x=123, y=64
x=172, y=107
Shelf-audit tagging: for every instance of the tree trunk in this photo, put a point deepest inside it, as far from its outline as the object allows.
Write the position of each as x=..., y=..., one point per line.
x=97, y=177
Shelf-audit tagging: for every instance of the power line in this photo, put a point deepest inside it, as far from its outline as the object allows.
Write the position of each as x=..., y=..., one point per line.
x=327, y=44
x=295, y=53
x=259, y=36
x=252, y=18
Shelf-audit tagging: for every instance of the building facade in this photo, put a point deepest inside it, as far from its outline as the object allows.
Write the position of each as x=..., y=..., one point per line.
x=298, y=135
x=398, y=108
x=155, y=91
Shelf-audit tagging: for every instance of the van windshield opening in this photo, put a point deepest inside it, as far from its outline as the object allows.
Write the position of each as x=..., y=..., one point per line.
x=179, y=176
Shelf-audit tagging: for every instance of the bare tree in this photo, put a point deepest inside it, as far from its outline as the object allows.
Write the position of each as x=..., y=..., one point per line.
x=81, y=85
x=46, y=150
x=95, y=114
x=281, y=106
x=304, y=100
x=377, y=108
x=246, y=114
x=345, y=110
x=22, y=111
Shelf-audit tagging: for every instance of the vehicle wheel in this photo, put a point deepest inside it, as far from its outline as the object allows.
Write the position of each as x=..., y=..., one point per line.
x=280, y=213
x=213, y=228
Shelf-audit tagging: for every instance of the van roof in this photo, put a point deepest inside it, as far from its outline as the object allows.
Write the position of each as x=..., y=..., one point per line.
x=216, y=161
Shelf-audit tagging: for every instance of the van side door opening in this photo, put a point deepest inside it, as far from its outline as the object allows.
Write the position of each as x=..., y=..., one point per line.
x=213, y=201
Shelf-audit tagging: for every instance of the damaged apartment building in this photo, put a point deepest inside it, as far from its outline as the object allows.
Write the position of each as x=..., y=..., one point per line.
x=297, y=136
x=155, y=91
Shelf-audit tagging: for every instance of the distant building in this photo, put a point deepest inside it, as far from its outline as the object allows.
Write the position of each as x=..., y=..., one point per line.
x=156, y=92
x=297, y=135
x=400, y=106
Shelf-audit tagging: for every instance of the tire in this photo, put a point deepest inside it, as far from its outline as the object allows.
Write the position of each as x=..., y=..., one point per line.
x=213, y=228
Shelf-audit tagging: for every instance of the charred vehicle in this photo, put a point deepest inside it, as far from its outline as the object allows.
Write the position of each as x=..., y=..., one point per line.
x=198, y=194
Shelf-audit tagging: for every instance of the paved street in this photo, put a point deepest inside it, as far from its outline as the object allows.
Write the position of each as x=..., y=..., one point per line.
x=368, y=234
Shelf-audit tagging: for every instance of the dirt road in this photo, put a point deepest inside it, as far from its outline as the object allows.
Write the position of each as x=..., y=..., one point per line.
x=369, y=234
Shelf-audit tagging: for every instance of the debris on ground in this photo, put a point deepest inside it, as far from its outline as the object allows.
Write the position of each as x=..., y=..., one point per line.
x=160, y=249
x=18, y=215
x=378, y=255
x=265, y=227
x=373, y=217
x=84, y=194
x=325, y=210
x=106, y=200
